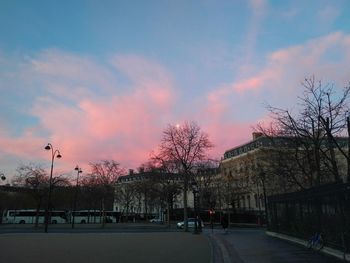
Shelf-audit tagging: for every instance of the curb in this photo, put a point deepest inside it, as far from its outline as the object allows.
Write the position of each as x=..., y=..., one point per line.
x=224, y=252
x=325, y=250
x=211, y=249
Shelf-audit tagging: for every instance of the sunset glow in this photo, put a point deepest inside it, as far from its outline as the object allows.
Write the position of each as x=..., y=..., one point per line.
x=102, y=81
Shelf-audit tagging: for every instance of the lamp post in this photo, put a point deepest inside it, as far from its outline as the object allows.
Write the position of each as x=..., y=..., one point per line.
x=348, y=159
x=3, y=177
x=195, y=191
x=169, y=197
x=79, y=171
x=54, y=154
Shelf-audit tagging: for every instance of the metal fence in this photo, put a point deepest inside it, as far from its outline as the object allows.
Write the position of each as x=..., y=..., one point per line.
x=324, y=209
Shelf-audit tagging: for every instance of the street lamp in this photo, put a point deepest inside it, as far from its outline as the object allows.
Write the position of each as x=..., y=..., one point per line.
x=79, y=171
x=54, y=154
x=197, y=228
x=3, y=177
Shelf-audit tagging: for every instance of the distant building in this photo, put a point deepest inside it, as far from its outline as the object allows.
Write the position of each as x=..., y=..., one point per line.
x=146, y=194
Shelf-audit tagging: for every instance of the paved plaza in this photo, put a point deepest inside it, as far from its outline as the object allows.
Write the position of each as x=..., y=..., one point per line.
x=126, y=243
x=254, y=246
x=169, y=247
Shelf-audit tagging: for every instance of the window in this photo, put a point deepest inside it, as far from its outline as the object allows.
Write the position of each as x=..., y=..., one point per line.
x=262, y=201
x=243, y=202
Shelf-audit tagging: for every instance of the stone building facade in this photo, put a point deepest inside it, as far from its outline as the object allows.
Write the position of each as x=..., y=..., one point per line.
x=148, y=194
x=267, y=166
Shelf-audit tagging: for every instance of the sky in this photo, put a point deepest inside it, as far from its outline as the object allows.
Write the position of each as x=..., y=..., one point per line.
x=102, y=79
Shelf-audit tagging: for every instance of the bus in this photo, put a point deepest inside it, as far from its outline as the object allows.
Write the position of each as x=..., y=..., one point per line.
x=28, y=216
x=93, y=216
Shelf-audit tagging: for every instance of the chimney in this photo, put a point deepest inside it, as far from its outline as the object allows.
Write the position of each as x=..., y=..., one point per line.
x=131, y=171
x=256, y=135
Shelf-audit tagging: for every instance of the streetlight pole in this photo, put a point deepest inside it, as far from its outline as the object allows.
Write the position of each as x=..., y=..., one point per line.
x=169, y=197
x=195, y=191
x=78, y=169
x=348, y=159
x=54, y=154
x=2, y=177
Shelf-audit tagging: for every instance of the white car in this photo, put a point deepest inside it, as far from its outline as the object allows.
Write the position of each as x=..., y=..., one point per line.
x=191, y=223
x=156, y=221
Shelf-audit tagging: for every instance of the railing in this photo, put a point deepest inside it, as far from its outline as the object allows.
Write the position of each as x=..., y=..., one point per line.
x=324, y=209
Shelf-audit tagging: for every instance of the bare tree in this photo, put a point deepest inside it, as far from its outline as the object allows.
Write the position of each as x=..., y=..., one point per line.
x=313, y=134
x=36, y=180
x=105, y=174
x=167, y=176
x=205, y=174
x=145, y=190
x=184, y=145
x=125, y=197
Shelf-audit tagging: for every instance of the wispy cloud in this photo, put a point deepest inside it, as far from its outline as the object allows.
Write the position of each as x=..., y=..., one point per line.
x=328, y=14
x=258, y=8
x=325, y=57
x=278, y=82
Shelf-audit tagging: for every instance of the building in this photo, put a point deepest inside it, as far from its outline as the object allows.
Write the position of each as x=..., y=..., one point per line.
x=149, y=194
x=239, y=169
x=266, y=166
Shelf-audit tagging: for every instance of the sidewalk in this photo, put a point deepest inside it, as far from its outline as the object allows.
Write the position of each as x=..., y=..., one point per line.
x=169, y=247
x=325, y=250
x=250, y=245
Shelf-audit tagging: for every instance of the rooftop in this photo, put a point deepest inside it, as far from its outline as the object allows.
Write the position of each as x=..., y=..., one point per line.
x=278, y=141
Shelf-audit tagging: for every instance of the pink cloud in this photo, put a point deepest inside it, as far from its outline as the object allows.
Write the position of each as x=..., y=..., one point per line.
x=88, y=110
x=122, y=123
x=27, y=145
x=124, y=127
x=226, y=135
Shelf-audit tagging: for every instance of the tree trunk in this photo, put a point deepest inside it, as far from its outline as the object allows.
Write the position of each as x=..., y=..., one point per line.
x=185, y=203
x=37, y=213
x=348, y=157
x=168, y=212
x=103, y=213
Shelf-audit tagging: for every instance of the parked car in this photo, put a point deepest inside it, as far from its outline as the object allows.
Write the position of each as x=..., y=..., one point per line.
x=156, y=221
x=191, y=223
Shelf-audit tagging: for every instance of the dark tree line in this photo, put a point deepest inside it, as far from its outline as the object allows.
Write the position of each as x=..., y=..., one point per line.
x=95, y=189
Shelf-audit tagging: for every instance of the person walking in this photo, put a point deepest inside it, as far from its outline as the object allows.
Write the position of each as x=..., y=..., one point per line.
x=224, y=223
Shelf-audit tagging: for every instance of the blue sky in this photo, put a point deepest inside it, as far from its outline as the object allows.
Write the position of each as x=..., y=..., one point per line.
x=101, y=79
